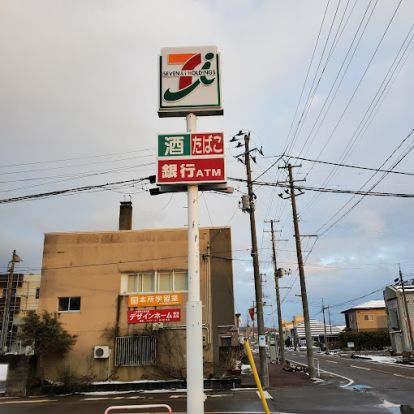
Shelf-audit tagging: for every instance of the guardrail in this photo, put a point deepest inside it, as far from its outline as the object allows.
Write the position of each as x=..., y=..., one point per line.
x=137, y=407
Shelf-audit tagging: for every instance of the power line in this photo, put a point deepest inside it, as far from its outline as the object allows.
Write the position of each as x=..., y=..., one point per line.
x=343, y=165
x=335, y=84
x=72, y=190
x=322, y=233
x=330, y=190
x=335, y=41
x=307, y=73
x=73, y=159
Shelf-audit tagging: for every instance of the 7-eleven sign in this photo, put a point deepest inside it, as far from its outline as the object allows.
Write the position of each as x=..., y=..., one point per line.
x=189, y=81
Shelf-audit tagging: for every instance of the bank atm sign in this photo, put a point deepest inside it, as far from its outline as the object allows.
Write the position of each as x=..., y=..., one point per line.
x=191, y=158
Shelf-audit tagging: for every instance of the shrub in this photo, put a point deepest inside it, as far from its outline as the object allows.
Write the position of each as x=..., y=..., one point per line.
x=365, y=340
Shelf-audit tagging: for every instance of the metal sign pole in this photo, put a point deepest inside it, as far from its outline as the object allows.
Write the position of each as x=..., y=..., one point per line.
x=194, y=339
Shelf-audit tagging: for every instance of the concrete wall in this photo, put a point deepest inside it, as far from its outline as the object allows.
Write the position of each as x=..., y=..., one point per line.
x=90, y=265
x=20, y=375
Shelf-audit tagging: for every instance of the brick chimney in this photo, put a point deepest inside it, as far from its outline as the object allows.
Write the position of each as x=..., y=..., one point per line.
x=125, y=215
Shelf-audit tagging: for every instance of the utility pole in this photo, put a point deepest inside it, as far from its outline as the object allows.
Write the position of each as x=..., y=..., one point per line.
x=329, y=319
x=324, y=328
x=278, y=302
x=264, y=374
x=194, y=334
x=6, y=310
x=254, y=311
x=308, y=335
x=410, y=331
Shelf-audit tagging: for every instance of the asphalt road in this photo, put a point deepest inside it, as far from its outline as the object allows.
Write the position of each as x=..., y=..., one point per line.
x=390, y=382
x=391, y=386
x=323, y=399
x=229, y=402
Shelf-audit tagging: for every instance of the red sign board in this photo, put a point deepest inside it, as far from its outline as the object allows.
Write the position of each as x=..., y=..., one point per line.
x=154, y=315
x=193, y=170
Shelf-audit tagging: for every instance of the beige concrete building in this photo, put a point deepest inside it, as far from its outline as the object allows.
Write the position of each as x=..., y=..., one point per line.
x=369, y=316
x=124, y=294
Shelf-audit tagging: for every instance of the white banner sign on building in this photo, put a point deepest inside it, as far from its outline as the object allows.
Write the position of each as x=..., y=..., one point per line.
x=189, y=82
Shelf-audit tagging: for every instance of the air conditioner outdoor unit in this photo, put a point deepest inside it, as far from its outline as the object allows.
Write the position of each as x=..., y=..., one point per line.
x=101, y=352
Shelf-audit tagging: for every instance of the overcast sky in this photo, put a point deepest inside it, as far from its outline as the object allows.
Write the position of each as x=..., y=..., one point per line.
x=78, y=106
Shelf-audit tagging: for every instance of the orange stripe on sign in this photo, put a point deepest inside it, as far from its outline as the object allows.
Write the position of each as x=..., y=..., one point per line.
x=179, y=58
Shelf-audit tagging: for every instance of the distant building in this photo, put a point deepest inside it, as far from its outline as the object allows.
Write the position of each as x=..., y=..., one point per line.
x=25, y=293
x=368, y=316
x=398, y=326
x=124, y=294
x=289, y=325
x=317, y=333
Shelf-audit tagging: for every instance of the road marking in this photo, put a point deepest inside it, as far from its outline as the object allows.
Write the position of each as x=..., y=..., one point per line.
x=350, y=381
x=266, y=395
x=26, y=402
x=358, y=367
x=332, y=362
x=403, y=376
x=97, y=398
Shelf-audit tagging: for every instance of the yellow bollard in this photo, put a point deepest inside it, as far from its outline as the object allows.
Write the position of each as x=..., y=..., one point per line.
x=256, y=376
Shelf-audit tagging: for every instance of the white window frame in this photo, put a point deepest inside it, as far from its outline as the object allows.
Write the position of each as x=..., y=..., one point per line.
x=69, y=310
x=156, y=275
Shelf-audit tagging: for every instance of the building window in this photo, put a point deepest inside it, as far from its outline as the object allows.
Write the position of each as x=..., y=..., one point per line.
x=69, y=304
x=37, y=294
x=368, y=317
x=165, y=281
x=180, y=281
x=152, y=282
x=135, y=351
x=141, y=282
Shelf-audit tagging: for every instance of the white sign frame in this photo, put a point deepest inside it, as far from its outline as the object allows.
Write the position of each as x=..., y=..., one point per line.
x=189, y=82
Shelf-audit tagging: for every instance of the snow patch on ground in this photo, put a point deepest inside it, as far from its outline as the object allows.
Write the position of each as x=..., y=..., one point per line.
x=378, y=358
x=98, y=393
x=383, y=359
x=130, y=382
x=246, y=369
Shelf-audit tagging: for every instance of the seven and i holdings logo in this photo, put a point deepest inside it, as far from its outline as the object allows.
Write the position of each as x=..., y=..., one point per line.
x=196, y=70
x=190, y=80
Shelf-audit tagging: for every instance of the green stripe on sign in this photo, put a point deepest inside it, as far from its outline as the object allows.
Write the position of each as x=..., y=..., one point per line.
x=173, y=145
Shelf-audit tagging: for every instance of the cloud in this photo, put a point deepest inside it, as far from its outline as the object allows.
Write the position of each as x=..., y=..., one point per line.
x=79, y=79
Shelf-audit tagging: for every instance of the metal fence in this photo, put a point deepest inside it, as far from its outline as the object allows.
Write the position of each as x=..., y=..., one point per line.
x=135, y=350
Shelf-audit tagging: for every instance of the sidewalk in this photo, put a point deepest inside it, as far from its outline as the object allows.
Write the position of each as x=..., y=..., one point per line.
x=294, y=392
x=278, y=378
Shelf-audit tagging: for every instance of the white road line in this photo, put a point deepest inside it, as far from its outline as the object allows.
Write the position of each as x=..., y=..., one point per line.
x=97, y=398
x=135, y=397
x=266, y=395
x=26, y=402
x=332, y=362
x=403, y=376
x=358, y=367
x=350, y=381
